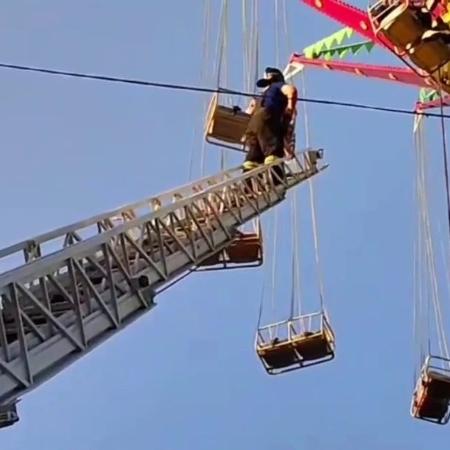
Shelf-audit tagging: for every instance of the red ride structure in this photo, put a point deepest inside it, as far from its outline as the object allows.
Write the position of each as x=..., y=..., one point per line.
x=399, y=27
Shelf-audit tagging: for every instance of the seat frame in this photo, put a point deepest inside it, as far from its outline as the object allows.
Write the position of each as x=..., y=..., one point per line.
x=431, y=366
x=295, y=327
x=222, y=257
x=391, y=13
x=211, y=117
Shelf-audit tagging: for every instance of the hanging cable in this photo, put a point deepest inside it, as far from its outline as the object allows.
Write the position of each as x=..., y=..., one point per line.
x=207, y=63
x=203, y=77
x=445, y=157
x=288, y=38
x=429, y=257
x=277, y=32
x=316, y=246
x=274, y=261
x=268, y=269
x=296, y=307
x=224, y=56
x=245, y=44
x=293, y=296
x=313, y=209
x=419, y=313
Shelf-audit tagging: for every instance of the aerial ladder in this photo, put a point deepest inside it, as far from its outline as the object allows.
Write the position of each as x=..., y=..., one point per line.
x=74, y=287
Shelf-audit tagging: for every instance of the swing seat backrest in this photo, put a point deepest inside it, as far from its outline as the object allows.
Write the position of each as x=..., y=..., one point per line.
x=431, y=399
x=279, y=355
x=430, y=55
x=245, y=249
x=224, y=124
x=313, y=346
x=400, y=26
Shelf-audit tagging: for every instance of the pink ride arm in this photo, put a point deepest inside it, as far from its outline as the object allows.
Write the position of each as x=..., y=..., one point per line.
x=388, y=73
x=422, y=106
x=349, y=16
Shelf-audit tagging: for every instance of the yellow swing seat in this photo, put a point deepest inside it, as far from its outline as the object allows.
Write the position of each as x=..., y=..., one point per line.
x=296, y=343
x=225, y=126
x=245, y=251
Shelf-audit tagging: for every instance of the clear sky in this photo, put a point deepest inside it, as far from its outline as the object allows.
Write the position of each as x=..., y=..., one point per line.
x=185, y=376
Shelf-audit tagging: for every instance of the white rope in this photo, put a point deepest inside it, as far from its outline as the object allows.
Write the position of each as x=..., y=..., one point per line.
x=316, y=246
x=274, y=261
x=297, y=293
x=313, y=207
x=245, y=42
x=288, y=39
x=256, y=43
x=430, y=254
x=277, y=32
x=418, y=312
x=204, y=80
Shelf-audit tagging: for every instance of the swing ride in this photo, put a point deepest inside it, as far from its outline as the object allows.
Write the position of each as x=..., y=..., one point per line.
x=401, y=27
x=56, y=305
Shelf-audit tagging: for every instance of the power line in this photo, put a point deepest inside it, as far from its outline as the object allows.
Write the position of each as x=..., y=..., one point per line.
x=219, y=90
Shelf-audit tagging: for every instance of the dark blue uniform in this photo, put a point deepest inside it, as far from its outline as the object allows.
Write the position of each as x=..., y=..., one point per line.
x=267, y=126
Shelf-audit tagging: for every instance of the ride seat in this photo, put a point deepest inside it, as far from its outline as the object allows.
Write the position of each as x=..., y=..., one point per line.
x=295, y=350
x=431, y=400
x=225, y=125
x=430, y=55
x=400, y=25
x=245, y=249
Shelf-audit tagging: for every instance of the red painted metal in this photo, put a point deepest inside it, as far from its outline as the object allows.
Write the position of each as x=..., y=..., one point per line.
x=359, y=21
x=388, y=73
x=348, y=15
x=422, y=106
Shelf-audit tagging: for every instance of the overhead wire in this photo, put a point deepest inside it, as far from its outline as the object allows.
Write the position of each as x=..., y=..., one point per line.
x=199, y=89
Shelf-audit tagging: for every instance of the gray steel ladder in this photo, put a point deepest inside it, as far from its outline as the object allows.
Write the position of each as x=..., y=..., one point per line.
x=68, y=290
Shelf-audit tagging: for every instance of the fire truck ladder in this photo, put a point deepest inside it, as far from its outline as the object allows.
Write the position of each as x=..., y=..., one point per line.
x=76, y=286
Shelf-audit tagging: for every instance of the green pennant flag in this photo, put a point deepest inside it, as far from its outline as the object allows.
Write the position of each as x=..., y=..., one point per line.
x=325, y=44
x=428, y=95
x=344, y=50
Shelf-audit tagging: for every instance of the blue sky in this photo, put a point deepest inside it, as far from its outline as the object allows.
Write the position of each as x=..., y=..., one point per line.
x=185, y=376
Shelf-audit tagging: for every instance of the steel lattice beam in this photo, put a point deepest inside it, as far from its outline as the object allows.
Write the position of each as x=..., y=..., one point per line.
x=59, y=306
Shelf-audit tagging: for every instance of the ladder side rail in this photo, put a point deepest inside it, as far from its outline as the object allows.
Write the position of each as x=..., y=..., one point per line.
x=31, y=248
x=38, y=353
x=32, y=367
x=84, y=248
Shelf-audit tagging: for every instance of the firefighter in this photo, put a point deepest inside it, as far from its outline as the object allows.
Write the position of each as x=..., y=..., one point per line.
x=270, y=120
